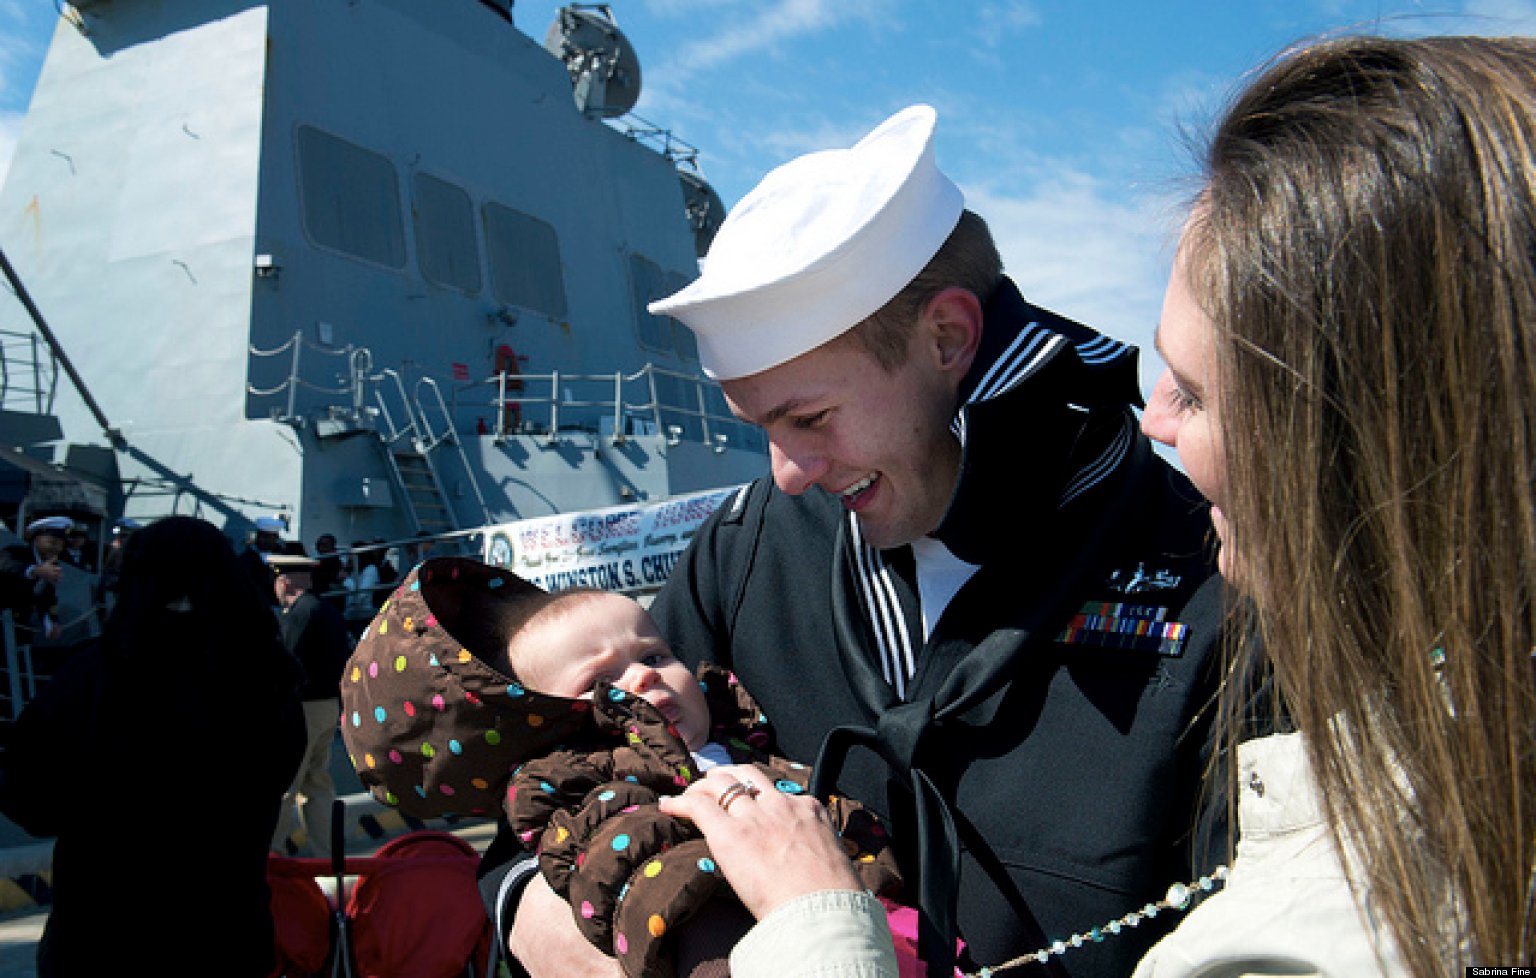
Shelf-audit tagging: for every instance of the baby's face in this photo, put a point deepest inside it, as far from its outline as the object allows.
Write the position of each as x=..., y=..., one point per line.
x=610, y=637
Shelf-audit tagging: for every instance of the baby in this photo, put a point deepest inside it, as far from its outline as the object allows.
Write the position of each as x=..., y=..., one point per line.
x=473, y=691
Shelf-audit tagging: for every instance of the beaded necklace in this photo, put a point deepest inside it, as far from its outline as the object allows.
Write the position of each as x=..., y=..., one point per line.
x=1177, y=898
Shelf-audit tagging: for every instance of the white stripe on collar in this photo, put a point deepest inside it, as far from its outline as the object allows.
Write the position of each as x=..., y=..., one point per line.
x=1095, y=472
x=894, y=643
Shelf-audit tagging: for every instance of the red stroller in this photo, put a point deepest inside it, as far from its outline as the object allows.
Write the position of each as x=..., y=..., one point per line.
x=412, y=910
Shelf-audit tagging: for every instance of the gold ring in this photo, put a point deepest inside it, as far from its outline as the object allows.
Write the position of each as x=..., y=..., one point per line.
x=735, y=791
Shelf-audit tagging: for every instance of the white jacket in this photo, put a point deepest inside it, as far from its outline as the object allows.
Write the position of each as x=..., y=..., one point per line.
x=1287, y=907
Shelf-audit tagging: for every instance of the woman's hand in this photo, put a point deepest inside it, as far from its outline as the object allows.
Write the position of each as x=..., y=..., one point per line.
x=771, y=846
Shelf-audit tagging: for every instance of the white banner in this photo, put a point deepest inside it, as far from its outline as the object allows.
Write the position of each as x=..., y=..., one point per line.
x=623, y=548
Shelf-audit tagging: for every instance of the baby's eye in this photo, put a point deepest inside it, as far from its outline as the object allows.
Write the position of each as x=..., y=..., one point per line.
x=655, y=659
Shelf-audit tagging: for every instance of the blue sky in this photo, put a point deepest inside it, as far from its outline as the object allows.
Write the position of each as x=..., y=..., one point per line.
x=1066, y=122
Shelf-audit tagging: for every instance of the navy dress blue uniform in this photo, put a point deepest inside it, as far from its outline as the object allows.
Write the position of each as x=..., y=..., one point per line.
x=1056, y=710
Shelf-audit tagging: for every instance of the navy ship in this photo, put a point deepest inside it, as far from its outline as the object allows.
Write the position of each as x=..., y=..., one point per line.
x=377, y=267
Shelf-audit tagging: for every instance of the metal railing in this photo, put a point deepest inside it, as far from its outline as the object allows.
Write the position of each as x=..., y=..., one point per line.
x=631, y=401
x=653, y=400
x=29, y=373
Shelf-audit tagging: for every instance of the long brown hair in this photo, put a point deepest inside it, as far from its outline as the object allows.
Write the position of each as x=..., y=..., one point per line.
x=1365, y=245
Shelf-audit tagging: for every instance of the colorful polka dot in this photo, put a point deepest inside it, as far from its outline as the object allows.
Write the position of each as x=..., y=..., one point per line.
x=789, y=787
x=620, y=842
x=410, y=708
x=494, y=583
x=410, y=623
x=615, y=694
x=357, y=719
x=369, y=761
x=546, y=787
x=482, y=784
x=431, y=621
x=379, y=714
x=514, y=689
x=465, y=655
x=446, y=789
x=471, y=698
x=534, y=720
x=373, y=670
x=400, y=663
x=383, y=625
x=606, y=795
x=395, y=756
x=390, y=798
x=357, y=674
x=427, y=750
x=656, y=925
x=561, y=834
x=438, y=703
x=621, y=943
x=652, y=869
x=493, y=737
x=587, y=910
x=707, y=864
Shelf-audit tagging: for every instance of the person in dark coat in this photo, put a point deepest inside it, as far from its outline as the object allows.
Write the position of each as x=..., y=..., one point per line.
x=317, y=635
x=32, y=572
x=267, y=540
x=156, y=757
x=971, y=593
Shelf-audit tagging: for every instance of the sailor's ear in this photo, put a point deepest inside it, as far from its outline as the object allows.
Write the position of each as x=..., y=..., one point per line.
x=952, y=322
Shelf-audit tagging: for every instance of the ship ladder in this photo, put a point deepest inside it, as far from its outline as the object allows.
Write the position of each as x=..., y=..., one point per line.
x=425, y=501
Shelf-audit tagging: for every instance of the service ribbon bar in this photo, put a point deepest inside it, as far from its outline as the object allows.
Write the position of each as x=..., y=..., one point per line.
x=1126, y=626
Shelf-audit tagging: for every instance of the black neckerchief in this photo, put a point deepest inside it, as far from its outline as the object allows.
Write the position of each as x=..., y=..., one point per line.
x=1074, y=390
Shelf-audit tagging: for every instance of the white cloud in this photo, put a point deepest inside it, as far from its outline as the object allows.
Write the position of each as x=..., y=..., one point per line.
x=996, y=22
x=765, y=29
x=1075, y=249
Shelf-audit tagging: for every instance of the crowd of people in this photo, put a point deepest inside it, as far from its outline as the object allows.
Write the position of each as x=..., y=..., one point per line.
x=1268, y=712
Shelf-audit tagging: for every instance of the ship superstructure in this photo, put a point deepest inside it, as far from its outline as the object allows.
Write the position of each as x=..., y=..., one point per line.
x=380, y=266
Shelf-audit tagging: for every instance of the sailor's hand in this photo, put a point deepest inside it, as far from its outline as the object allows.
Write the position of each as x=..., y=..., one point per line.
x=48, y=571
x=545, y=941
x=772, y=847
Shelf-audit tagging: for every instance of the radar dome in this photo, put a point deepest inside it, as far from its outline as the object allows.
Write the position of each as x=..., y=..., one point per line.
x=605, y=72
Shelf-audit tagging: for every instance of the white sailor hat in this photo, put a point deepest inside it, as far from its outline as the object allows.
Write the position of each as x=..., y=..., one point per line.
x=269, y=524
x=818, y=246
x=292, y=562
x=58, y=525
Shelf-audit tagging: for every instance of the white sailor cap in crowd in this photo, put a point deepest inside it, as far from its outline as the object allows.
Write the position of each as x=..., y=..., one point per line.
x=58, y=525
x=823, y=242
x=269, y=524
x=291, y=562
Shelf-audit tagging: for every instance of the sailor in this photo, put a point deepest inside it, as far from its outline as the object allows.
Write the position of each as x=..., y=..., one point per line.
x=266, y=541
x=75, y=553
x=315, y=633
x=33, y=571
x=958, y=484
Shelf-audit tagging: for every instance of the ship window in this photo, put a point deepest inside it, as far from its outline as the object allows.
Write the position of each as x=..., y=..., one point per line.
x=351, y=198
x=662, y=333
x=445, y=234
x=524, y=256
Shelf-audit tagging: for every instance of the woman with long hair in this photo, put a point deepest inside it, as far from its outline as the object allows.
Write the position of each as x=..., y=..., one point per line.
x=158, y=756
x=1350, y=330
